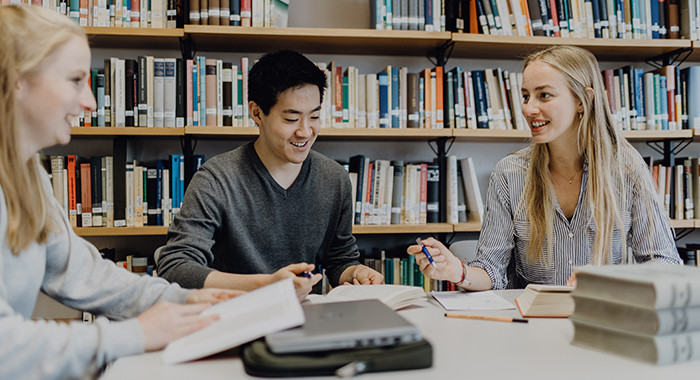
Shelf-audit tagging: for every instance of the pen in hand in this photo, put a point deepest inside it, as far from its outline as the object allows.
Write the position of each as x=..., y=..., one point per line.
x=305, y=274
x=426, y=253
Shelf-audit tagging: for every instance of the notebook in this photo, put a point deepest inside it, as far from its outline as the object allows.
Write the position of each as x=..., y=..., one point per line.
x=344, y=325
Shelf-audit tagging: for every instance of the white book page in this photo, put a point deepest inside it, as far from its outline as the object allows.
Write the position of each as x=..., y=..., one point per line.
x=487, y=300
x=247, y=317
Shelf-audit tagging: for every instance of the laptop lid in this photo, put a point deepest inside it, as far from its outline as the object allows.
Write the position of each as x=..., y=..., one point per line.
x=344, y=325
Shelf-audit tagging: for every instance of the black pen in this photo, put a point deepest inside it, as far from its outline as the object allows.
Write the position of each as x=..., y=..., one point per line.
x=305, y=274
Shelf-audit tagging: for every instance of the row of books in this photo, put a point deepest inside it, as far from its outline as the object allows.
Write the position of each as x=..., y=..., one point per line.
x=142, y=92
x=428, y=15
x=405, y=271
x=114, y=13
x=645, y=312
x=678, y=187
x=617, y=19
x=667, y=98
x=172, y=92
x=95, y=192
x=391, y=192
x=255, y=13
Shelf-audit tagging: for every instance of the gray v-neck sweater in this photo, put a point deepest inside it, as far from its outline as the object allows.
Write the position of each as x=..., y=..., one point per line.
x=236, y=218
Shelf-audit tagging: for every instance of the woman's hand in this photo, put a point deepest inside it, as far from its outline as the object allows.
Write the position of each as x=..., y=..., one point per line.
x=447, y=265
x=165, y=322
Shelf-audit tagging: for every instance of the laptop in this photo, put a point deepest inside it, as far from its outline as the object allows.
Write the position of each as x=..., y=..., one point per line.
x=344, y=325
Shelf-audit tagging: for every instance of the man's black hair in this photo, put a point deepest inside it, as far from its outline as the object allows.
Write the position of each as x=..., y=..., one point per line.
x=277, y=72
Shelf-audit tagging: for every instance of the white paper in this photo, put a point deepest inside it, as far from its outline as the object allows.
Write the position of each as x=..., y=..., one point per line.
x=247, y=317
x=487, y=300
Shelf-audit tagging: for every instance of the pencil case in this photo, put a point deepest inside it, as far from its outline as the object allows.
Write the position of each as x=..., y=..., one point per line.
x=258, y=360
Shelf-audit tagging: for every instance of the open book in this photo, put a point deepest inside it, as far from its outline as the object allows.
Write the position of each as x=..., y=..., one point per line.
x=394, y=296
x=546, y=301
x=247, y=317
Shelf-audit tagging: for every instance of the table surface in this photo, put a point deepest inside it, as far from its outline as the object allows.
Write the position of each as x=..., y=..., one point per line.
x=476, y=349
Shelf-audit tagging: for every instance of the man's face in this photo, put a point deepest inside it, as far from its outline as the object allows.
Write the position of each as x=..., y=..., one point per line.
x=289, y=130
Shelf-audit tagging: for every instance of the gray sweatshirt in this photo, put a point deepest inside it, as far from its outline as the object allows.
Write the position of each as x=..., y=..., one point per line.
x=236, y=218
x=70, y=270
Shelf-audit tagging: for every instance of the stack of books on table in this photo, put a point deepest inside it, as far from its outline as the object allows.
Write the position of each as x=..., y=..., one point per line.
x=646, y=312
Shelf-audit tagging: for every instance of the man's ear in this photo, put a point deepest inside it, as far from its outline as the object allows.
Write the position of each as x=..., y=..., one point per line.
x=255, y=112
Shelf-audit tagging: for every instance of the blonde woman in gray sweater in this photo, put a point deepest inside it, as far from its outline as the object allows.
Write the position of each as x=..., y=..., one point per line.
x=44, y=70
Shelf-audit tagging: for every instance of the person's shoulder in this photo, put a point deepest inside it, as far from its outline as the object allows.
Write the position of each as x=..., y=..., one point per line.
x=515, y=162
x=326, y=164
x=224, y=161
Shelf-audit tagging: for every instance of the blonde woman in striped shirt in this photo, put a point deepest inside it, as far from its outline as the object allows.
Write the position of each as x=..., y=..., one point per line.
x=579, y=194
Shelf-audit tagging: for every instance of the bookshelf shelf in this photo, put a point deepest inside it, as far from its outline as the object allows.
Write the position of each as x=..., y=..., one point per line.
x=509, y=47
x=134, y=38
x=315, y=40
x=379, y=133
x=403, y=229
x=493, y=135
x=121, y=231
x=688, y=223
x=221, y=131
x=658, y=135
x=384, y=133
x=468, y=227
x=126, y=131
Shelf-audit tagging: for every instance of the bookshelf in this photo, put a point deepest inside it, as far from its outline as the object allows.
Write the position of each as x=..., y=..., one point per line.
x=366, y=42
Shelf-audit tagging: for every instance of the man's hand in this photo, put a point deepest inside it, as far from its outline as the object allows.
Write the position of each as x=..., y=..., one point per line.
x=302, y=284
x=361, y=275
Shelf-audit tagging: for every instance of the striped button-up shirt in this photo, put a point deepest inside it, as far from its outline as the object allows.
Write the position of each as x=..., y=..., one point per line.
x=505, y=233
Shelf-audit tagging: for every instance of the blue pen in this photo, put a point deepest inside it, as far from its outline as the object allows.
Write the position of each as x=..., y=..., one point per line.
x=305, y=274
x=426, y=253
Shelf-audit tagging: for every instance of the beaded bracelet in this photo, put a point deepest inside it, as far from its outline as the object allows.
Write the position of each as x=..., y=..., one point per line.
x=464, y=277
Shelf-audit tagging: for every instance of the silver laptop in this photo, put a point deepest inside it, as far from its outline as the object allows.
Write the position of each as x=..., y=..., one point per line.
x=344, y=325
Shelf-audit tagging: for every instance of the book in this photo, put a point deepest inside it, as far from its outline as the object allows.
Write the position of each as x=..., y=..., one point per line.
x=269, y=309
x=659, y=350
x=650, y=285
x=637, y=319
x=394, y=296
x=548, y=301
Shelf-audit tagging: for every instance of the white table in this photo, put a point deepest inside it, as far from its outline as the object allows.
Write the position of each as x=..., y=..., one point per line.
x=462, y=349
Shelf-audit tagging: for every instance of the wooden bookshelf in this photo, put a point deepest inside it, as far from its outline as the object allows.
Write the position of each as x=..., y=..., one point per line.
x=491, y=135
x=403, y=229
x=134, y=38
x=126, y=131
x=688, y=223
x=386, y=133
x=657, y=135
x=516, y=47
x=221, y=131
x=357, y=133
x=121, y=231
x=315, y=40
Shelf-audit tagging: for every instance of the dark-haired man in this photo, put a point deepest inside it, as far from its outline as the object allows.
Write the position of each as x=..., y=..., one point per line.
x=272, y=208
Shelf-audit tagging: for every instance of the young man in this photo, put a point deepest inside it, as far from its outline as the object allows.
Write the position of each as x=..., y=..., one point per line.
x=273, y=208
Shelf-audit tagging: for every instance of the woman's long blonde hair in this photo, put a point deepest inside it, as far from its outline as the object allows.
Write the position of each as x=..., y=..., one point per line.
x=28, y=37
x=601, y=148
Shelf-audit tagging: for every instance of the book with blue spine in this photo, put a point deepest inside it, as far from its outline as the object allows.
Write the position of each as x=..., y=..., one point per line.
x=383, y=80
x=195, y=94
x=663, y=102
x=639, y=98
x=395, y=100
x=482, y=117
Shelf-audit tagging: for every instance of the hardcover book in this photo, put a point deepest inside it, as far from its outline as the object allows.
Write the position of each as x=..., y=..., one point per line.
x=545, y=301
x=649, y=285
